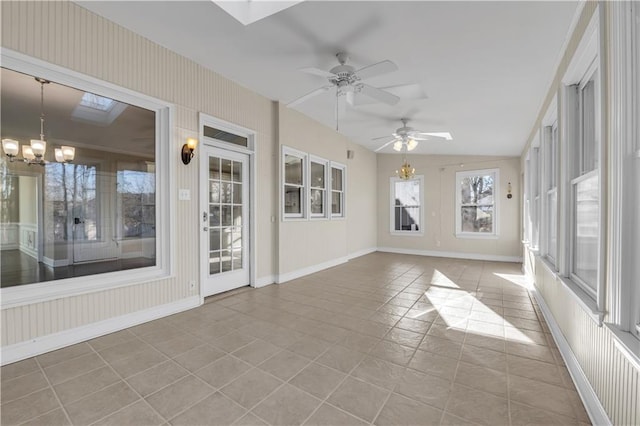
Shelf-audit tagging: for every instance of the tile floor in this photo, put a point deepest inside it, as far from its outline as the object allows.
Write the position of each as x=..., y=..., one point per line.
x=385, y=339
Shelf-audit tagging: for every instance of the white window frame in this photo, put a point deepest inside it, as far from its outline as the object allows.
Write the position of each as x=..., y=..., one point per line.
x=304, y=187
x=496, y=204
x=526, y=211
x=343, y=204
x=392, y=190
x=549, y=180
x=534, y=181
x=586, y=61
x=325, y=209
x=165, y=188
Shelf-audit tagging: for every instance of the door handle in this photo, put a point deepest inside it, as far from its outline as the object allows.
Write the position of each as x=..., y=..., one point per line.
x=205, y=228
x=204, y=216
x=77, y=221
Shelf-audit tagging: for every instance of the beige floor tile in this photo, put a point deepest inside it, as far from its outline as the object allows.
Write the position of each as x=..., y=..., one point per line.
x=484, y=357
x=112, y=339
x=378, y=372
x=523, y=335
x=155, y=378
x=250, y=419
x=524, y=415
x=63, y=371
x=404, y=337
x=222, y=371
x=56, y=417
x=198, y=357
x=251, y=388
x=28, y=407
x=425, y=388
x=392, y=352
x=327, y=415
x=17, y=369
x=442, y=347
x=137, y=414
x=578, y=407
x=83, y=385
x=358, y=342
x=477, y=406
x=533, y=351
x=257, y=352
x=399, y=410
x=233, y=341
x=416, y=326
x=533, y=369
x=446, y=332
x=173, y=399
x=341, y=358
x=179, y=345
x=124, y=350
x=140, y=361
x=23, y=385
x=436, y=365
x=541, y=395
x=100, y=404
x=213, y=410
x=317, y=380
x=359, y=398
x=162, y=335
x=310, y=347
x=64, y=354
x=482, y=378
x=286, y=406
x=485, y=342
x=284, y=365
x=451, y=420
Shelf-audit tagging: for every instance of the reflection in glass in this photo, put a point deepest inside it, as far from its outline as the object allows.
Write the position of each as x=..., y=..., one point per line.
x=586, y=230
x=336, y=179
x=292, y=197
x=293, y=169
x=237, y=171
x=336, y=202
x=317, y=201
x=477, y=219
x=214, y=168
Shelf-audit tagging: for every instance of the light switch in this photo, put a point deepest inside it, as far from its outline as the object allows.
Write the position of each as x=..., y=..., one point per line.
x=184, y=195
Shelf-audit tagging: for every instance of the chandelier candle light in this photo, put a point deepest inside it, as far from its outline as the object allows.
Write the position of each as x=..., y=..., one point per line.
x=406, y=172
x=34, y=153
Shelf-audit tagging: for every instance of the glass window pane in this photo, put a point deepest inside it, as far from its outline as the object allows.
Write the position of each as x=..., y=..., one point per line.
x=226, y=260
x=292, y=169
x=236, y=240
x=336, y=202
x=214, y=192
x=225, y=192
x=212, y=132
x=225, y=169
x=237, y=171
x=292, y=197
x=237, y=193
x=226, y=216
x=407, y=193
x=336, y=179
x=237, y=259
x=237, y=216
x=317, y=175
x=407, y=218
x=589, y=149
x=226, y=238
x=214, y=168
x=477, y=190
x=317, y=201
x=214, y=263
x=586, y=230
x=477, y=219
x=214, y=215
x=214, y=239
x=552, y=239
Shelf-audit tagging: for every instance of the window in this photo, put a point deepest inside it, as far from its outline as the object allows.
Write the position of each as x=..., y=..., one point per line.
x=95, y=216
x=294, y=191
x=318, y=187
x=406, y=206
x=551, y=188
x=337, y=189
x=535, y=196
x=476, y=203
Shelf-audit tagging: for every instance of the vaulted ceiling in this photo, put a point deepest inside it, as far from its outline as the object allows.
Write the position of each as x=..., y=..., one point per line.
x=479, y=70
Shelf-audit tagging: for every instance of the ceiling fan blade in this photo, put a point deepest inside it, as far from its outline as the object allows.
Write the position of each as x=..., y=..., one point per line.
x=444, y=136
x=384, y=137
x=309, y=95
x=385, y=145
x=376, y=69
x=318, y=72
x=351, y=98
x=379, y=95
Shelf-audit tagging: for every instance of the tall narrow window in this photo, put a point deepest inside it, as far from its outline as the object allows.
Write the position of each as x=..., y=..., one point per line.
x=293, y=171
x=535, y=196
x=406, y=205
x=477, y=210
x=337, y=189
x=318, y=187
x=551, y=205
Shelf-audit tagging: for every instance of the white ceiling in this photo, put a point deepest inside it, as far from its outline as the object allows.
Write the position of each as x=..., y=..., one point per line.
x=484, y=66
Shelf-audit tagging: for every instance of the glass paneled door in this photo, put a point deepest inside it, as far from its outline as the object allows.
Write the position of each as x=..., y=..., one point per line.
x=225, y=220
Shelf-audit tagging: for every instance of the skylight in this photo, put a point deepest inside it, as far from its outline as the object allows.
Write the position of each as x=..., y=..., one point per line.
x=249, y=11
x=94, y=101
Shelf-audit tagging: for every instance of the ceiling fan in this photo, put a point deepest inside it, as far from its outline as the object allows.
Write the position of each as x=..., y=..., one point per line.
x=348, y=81
x=408, y=137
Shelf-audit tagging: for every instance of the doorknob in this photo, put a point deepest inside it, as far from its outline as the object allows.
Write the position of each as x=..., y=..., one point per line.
x=204, y=216
x=77, y=221
x=205, y=228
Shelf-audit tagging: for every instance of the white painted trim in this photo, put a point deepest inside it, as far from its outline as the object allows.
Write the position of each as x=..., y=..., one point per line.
x=452, y=254
x=264, y=281
x=496, y=201
x=50, y=342
x=362, y=252
x=304, y=210
x=627, y=344
x=392, y=207
x=52, y=263
x=594, y=407
x=288, y=276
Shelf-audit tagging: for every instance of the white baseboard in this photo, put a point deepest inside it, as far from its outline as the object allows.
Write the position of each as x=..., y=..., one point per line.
x=594, y=408
x=264, y=281
x=453, y=254
x=283, y=278
x=50, y=342
x=54, y=263
x=362, y=252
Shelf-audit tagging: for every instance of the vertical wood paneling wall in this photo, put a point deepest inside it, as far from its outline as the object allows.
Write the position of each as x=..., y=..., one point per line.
x=67, y=35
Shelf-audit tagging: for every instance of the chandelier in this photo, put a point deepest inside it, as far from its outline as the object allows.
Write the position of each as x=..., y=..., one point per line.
x=406, y=172
x=34, y=152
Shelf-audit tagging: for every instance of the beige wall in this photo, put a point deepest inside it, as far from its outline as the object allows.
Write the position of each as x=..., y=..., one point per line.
x=439, y=208
x=27, y=190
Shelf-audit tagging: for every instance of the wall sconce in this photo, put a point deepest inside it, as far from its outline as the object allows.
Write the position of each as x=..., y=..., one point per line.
x=509, y=196
x=187, y=150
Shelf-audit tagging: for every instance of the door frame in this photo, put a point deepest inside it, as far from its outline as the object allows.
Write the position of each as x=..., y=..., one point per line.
x=208, y=120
